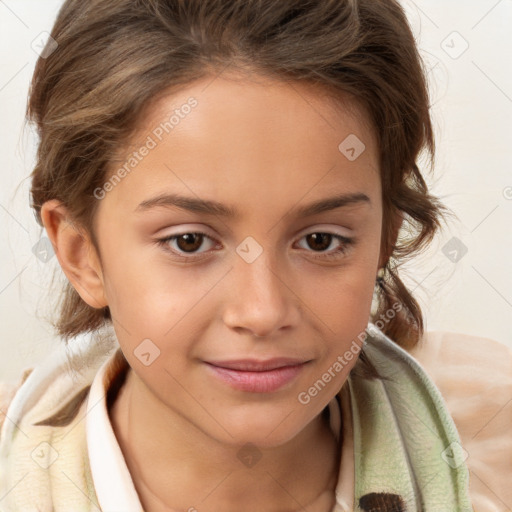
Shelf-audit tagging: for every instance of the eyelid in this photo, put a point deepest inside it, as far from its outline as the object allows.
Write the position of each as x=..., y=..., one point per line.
x=325, y=228
x=346, y=241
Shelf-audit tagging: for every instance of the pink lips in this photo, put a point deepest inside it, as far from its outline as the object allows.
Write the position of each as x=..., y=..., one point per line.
x=257, y=376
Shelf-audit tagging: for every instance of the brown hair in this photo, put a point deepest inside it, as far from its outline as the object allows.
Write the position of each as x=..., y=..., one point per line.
x=116, y=56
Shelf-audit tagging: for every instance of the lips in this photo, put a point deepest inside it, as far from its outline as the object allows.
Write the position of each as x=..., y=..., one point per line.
x=256, y=376
x=253, y=365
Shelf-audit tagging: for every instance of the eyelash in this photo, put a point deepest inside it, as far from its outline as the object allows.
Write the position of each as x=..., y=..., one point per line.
x=347, y=244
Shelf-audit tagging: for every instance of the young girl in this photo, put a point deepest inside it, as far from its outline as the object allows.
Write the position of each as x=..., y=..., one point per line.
x=229, y=187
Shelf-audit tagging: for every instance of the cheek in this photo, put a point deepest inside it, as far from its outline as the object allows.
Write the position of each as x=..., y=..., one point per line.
x=343, y=297
x=149, y=298
x=137, y=283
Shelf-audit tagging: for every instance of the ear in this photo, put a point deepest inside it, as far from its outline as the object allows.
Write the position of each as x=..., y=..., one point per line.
x=76, y=253
x=387, y=245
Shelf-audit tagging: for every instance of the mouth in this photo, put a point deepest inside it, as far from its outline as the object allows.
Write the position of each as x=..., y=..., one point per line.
x=255, y=365
x=257, y=376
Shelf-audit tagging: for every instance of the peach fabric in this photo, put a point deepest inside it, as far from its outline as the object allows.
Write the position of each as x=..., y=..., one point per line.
x=474, y=375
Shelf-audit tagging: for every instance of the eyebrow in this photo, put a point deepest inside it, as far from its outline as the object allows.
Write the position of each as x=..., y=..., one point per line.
x=211, y=207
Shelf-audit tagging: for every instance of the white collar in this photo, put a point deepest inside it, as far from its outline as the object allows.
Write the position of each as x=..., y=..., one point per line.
x=112, y=480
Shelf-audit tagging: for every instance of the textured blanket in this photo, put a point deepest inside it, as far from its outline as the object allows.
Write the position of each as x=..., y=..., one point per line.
x=407, y=452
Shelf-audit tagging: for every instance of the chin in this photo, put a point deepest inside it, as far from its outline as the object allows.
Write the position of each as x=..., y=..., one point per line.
x=262, y=429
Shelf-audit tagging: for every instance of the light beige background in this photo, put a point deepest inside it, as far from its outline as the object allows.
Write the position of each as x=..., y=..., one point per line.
x=472, y=108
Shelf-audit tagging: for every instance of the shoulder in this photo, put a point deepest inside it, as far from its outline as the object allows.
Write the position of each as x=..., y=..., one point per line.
x=474, y=376
x=7, y=392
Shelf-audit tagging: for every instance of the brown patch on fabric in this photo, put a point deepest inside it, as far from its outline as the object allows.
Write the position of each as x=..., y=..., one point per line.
x=382, y=502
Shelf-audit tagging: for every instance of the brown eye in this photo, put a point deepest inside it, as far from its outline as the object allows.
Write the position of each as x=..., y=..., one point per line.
x=186, y=243
x=189, y=242
x=319, y=241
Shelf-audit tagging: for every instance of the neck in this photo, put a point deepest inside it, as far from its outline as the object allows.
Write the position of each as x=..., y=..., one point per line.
x=176, y=466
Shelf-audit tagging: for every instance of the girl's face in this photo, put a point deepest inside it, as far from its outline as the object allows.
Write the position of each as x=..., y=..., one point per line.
x=284, y=267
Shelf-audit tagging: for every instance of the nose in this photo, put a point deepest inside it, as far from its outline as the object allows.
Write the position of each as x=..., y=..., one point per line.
x=261, y=300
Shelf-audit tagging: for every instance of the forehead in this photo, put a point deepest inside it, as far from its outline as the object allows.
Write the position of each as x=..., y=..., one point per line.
x=250, y=101
x=234, y=134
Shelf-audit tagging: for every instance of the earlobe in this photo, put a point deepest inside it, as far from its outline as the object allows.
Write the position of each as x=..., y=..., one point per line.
x=76, y=253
